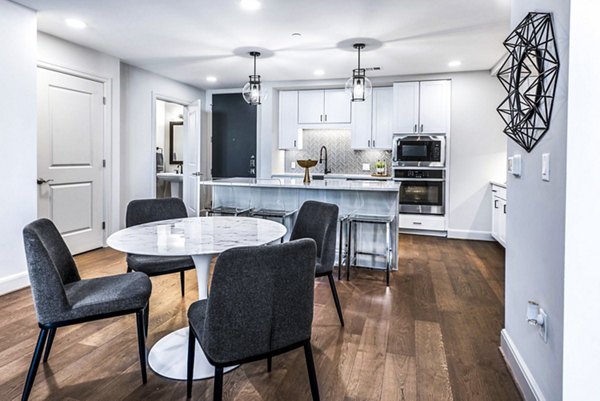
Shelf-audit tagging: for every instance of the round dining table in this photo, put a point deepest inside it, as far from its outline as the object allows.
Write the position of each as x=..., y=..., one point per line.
x=201, y=238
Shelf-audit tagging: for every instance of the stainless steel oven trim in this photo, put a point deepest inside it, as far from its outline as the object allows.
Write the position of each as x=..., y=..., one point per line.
x=440, y=138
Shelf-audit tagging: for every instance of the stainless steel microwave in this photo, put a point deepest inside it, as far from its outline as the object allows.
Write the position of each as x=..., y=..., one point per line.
x=418, y=151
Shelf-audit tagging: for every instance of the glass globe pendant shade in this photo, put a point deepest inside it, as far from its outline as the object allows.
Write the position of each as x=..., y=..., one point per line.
x=252, y=91
x=359, y=87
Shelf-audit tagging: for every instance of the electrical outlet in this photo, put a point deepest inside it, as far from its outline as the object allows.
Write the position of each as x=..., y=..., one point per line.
x=366, y=167
x=293, y=164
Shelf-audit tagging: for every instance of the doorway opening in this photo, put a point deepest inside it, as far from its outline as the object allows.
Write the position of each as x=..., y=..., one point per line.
x=169, y=149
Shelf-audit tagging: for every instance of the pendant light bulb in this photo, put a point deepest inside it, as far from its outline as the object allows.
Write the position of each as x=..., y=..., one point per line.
x=252, y=91
x=359, y=86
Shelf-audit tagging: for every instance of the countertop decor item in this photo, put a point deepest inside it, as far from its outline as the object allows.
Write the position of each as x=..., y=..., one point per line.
x=306, y=165
x=529, y=76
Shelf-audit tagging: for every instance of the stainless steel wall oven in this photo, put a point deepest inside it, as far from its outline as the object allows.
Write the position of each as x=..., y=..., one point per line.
x=421, y=191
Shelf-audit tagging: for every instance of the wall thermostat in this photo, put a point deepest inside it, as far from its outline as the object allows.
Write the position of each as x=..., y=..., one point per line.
x=514, y=165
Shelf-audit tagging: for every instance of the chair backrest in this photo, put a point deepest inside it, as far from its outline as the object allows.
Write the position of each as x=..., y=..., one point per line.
x=143, y=211
x=50, y=266
x=318, y=220
x=261, y=300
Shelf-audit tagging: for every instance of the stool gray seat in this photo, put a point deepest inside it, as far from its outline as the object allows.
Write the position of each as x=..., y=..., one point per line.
x=383, y=219
x=143, y=211
x=260, y=305
x=318, y=220
x=62, y=298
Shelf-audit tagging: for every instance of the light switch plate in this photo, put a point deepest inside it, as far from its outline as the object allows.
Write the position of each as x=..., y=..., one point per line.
x=293, y=164
x=546, y=166
x=366, y=167
x=514, y=165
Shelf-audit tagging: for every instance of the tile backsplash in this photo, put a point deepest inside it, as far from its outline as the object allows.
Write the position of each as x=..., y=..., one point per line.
x=342, y=159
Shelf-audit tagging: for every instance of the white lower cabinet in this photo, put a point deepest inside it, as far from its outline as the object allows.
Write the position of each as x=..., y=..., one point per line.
x=499, y=214
x=422, y=222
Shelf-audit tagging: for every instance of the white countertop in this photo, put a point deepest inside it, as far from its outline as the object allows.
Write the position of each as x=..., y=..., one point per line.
x=296, y=183
x=334, y=176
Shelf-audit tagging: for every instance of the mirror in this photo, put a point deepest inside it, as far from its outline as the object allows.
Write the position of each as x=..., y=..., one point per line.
x=176, y=142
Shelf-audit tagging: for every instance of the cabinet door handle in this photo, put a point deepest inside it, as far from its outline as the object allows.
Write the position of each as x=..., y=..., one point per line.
x=417, y=223
x=369, y=143
x=421, y=128
x=495, y=203
x=415, y=129
x=321, y=117
x=294, y=143
x=325, y=117
x=373, y=142
x=505, y=209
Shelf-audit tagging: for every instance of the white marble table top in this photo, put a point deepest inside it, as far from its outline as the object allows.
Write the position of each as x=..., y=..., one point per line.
x=195, y=236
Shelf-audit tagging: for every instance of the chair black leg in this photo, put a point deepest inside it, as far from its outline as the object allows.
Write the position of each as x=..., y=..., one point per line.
x=51, y=335
x=146, y=318
x=141, y=343
x=190, y=361
x=35, y=362
x=336, y=298
x=218, y=390
x=340, y=250
x=269, y=364
x=312, y=375
x=129, y=269
x=182, y=280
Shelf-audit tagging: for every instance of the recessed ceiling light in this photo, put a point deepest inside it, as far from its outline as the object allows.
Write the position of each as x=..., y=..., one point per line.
x=75, y=23
x=319, y=72
x=454, y=63
x=296, y=34
x=250, y=4
x=210, y=78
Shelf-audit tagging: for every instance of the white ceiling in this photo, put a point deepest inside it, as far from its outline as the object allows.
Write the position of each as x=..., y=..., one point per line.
x=188, y=40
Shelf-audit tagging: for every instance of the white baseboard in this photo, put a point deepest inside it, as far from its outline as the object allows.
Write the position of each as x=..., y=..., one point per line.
x=471, y=235
x=14, y=282
x=522, y=375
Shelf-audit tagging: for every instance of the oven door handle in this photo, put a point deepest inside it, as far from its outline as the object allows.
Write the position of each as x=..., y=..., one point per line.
x=419, y=179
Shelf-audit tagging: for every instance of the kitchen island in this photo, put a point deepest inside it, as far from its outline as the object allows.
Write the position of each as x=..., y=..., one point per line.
x=360, y=197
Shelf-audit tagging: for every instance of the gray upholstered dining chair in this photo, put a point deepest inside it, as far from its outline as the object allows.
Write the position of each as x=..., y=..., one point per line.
x=318, y=220
x=143, y=211
x=260, y=305
x=62, y=298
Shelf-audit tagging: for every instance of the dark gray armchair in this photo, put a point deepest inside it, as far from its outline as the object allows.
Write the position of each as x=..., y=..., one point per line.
x=149, y=210
x=62, y=298
x=260, y=305
x=318, y=220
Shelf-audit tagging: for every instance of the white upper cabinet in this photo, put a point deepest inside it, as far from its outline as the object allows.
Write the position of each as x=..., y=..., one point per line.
x=310, y=106
x=337, y=108
x=421, y=107
x=383, y=105
x=406, y=107
x=330, y=106
x=372, y=121
x=362, y=123
x=288, y=120
x=433, y=110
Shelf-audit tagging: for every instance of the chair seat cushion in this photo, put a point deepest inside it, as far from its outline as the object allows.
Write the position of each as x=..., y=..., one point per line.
x=196, y=316
x=157, y=265
x=103, y=295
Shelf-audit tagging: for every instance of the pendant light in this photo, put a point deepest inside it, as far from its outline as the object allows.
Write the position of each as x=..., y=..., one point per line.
x=359, y=86
x=252, y=91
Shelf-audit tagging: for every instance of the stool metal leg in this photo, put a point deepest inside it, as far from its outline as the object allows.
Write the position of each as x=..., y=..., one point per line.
x=340, y=250
x=349, y=253
x=387, y=253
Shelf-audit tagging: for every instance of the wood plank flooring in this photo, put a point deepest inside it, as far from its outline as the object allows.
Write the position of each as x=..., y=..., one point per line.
x=432, y=336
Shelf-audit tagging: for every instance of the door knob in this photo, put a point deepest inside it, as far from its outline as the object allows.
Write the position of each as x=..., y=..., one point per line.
x=41, y=181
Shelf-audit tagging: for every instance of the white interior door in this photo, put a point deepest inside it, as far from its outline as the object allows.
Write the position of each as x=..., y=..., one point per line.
x=191, y=158
x=70, y=165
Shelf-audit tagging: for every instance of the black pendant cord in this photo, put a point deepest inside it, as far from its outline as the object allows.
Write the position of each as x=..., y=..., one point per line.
x=254, y=64
x=359, y=58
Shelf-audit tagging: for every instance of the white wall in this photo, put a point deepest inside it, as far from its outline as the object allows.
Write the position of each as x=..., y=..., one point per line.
x=536, y=231
x=77, y=59
x=17, y=139
x=477, y=150
x=139, y=88
x=582, y=274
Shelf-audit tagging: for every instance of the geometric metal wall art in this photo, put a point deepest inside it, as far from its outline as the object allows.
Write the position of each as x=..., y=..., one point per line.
x=529, y=76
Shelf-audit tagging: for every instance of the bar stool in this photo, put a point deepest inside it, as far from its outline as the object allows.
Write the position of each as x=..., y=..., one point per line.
x=355, y=219
x=281, y=215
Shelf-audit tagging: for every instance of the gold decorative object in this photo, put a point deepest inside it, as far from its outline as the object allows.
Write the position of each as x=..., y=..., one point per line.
x=306, y=164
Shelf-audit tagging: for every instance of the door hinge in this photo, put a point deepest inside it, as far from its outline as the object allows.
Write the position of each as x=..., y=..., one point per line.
x=104, y=100
x=103, y=162
x=104, y=225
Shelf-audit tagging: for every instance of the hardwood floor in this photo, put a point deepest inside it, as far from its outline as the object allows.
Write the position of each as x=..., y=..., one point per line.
x=433, y=335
